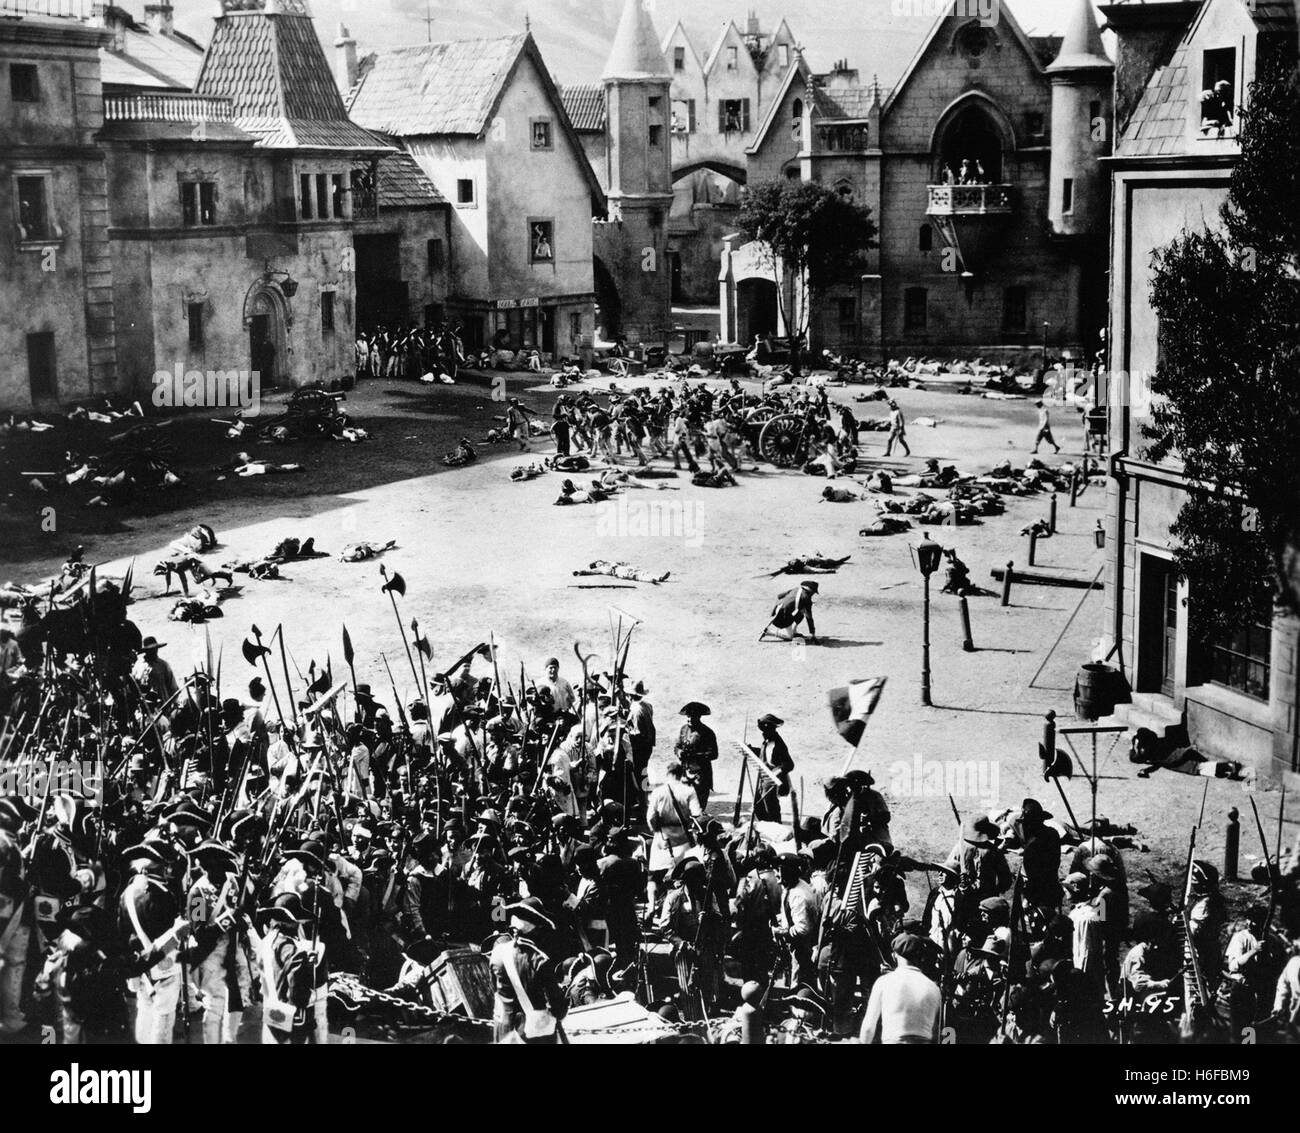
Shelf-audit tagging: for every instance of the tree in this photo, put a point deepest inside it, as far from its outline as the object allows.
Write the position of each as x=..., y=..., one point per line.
x=1228, y=382
x=816, y=235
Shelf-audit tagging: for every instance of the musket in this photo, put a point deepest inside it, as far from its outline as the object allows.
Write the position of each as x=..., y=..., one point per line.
x=955, y=812
x=49, y=774
x=1268, y=863
x=148, y=728
x=401, y=712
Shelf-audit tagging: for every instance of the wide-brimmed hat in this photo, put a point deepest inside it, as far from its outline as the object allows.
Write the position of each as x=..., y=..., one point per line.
x=687, y=866
x=311, y=853
x=767, y=720
x=1032, y=809
x=286, y=908
x=694, y=708
x=980, y=831
x=529, y=916
x=149, y=643
x=810, y=584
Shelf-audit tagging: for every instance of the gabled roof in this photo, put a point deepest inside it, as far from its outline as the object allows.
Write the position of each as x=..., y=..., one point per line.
x=636, y=53
x=685, y=41
x=1158, y=124
x=436, y=88
x=272, y=68
x=403, y=184
x=728, y=29
x=584, y=103
x=799, y=71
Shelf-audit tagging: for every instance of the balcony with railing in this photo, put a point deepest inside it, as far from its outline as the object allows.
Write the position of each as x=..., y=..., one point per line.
x=181, y=107
x=72, y=9
x=969, y=200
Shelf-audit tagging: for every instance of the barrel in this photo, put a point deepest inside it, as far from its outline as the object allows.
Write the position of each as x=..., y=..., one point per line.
x=1096, y=691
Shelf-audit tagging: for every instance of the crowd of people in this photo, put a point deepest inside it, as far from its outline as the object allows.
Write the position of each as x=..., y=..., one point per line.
x=235, y=851
x=409, y=352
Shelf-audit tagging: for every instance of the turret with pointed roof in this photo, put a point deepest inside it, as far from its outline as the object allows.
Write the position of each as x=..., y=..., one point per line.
x=1081, y=48
x=636, y=55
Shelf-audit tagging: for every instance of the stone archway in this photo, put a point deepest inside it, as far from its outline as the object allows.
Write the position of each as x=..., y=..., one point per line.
x=267, y=318
x=609, y=318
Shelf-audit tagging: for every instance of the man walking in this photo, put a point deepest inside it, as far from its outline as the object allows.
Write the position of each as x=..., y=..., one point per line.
x=905, y=1004
x=1044, y=428
x=897, y=430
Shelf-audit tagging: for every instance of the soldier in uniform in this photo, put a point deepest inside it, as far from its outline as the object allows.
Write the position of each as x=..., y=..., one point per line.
x=529, y=1003
x=150, y=918
x=289, y=963
x=222, y=972
x=792, y=609
x=691, y=919
x=697, y=748
x=770, y=789
x=15, y=914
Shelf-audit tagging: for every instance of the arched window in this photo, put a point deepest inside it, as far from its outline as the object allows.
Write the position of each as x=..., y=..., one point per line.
x=796, y=120
x=926, y=240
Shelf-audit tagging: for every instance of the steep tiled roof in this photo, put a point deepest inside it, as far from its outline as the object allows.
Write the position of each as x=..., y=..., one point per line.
x=1081, y=47
x=636, y=53
x=403, y=184
x=274, y=71
x=148, y=59
x=585, y=105
x=844, y=102
x=1158, y=126
x=436, y=88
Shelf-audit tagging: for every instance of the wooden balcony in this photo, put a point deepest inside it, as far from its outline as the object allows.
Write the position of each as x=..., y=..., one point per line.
x=969, y=200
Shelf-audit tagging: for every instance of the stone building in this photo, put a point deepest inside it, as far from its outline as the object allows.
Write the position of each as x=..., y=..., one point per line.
x=1236, y=698
x=1009, y=265
x=486, y=124
x=57, y=330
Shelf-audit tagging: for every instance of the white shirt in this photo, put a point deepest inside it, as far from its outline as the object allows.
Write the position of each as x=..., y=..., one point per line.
x=904, y=1007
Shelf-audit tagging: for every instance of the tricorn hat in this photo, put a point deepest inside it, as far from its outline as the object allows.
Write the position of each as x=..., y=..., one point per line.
x=694, y=708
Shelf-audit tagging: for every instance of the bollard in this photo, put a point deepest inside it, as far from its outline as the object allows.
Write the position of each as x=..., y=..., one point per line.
x=1231, y=846
x=1006, y=585
x=1051, y=515
x=1033, y=546
x=1074, y=487
x=968, y=645
x=1049, y=738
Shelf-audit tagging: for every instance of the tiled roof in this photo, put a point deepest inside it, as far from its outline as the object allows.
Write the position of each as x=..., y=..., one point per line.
x=844, y=102
x=636, y=53
x=403, y=184
x=274, y=71
x=436, y=88
x=585, y=105
x=1158, y=126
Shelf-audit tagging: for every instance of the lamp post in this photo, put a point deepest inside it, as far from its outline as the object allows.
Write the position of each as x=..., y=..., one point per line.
x=1046, y=326
x=928, y=554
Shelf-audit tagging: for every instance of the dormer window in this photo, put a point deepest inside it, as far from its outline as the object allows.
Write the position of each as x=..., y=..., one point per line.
x=1218, y=91
x=679, y=58
x=783, y=55
x=733, y=58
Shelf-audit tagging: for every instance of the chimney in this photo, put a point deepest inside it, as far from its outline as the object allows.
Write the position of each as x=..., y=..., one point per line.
x=159, y=18
x=751, y=25
x=115, y=20
x=345, y=60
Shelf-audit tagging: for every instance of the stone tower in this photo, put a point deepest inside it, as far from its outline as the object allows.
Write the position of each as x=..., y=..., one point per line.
x=634, y=243
x=1082, y=121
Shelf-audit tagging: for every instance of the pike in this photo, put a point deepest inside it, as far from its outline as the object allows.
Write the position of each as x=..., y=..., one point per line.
x=392, y=587
x=348, y=655
x=148, y=728
x=251, y=654
x=288, y=684
x=1268, y=864
x=424, y=649
x=49, y=774
x=401, y=712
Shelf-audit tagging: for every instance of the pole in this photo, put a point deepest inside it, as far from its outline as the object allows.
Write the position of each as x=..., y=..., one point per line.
x=1049, y=737
x=1051, y=514
x=1006, y=585
x=1033, y=547
x=1074, y=486
x=288, y=685
x=1232, y=846
x=925, y=648
x=968, y=642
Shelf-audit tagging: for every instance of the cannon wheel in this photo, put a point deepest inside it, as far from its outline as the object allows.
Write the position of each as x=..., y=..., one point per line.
x=782, y=441
x=754, y=421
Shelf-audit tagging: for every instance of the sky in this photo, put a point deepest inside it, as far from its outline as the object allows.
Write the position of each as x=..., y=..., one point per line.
x=876, y=36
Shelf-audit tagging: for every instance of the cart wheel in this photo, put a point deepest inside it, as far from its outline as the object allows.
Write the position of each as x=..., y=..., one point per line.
x=782, y=441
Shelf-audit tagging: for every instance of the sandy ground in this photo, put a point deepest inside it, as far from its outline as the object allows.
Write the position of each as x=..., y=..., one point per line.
x=482, y=555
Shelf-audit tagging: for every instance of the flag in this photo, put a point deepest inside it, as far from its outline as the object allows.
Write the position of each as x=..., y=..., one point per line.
x=853, y=705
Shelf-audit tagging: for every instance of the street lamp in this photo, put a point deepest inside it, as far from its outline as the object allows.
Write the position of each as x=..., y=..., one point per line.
x=1046, y=327
x=928, y=555
x=1099, y=536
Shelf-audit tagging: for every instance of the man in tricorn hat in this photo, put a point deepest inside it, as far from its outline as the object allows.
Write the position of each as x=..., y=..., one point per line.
x=1040, y=848
x=792, y=609
x=697, y=748
x=772, y=780
x=223, y=976
x=150, y=918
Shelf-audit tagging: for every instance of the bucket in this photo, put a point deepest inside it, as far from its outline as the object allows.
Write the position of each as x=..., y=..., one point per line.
x=1096, y=691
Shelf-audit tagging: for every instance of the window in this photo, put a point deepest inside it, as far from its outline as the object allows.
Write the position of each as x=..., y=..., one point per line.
x=541, y=134
x=733, y=116
x=338, y=193
x=1034, y=124
x=24, y=86
x=914, y=308
x=323, y=195
x=575, y=328
x=683, y=118
x=1014, y=315
x=327, y=312
x=848, y=317
x=1218, y=88
x=925, y=239
x=733, y=58
x=541, y=241
x=1067, y=195
x=437, y=255
x=679, y=58
x=33, y=209
x=304, y=192
x=783, y=55
x=796, y=120
x=194, y=317
x=198, y=203
x=42, y=372
x=1242, y=661
x=655, y=134
x=465, y=191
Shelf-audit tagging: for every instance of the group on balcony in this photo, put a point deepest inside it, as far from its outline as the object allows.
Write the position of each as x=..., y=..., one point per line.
x=971, y=172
